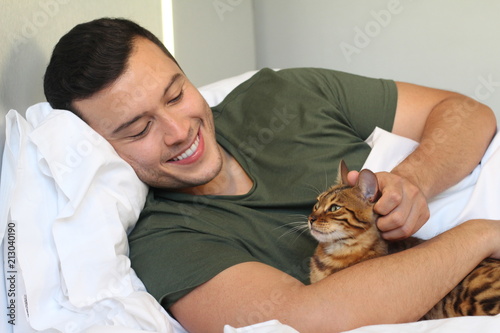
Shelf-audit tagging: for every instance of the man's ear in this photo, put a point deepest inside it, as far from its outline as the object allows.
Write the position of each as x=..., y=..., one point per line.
x=368, y=184
x=342, y=173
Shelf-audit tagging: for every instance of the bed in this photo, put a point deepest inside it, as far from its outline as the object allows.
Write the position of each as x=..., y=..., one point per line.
x=68, y=202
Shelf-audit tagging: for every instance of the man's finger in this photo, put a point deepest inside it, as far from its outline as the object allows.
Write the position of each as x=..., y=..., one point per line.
x=352, y=177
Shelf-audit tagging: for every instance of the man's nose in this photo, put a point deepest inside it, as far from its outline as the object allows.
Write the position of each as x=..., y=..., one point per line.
x=176, y=129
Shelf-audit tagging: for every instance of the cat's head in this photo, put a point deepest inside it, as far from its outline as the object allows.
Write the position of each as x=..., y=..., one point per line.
x=344, y=212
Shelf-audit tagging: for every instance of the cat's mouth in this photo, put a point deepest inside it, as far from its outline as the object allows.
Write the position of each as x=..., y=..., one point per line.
x=331, y=236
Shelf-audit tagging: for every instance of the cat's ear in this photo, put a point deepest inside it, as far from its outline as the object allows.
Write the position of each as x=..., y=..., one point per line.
x=342, y=173
x=368, y=184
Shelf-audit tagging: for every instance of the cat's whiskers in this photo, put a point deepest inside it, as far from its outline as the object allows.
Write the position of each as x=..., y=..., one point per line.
x=298, y=224
x=313, y=189
x=326, y=181
x=299, y=227
x=302, y=230
x=302, y=217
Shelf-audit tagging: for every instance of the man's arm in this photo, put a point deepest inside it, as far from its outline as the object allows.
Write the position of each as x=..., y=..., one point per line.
x=391, y=289
x=454, y=132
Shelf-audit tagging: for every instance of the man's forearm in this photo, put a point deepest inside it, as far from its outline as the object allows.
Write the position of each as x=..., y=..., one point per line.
x=404, y=286
x=455, y=137
x=392, y=289
x=454, y=132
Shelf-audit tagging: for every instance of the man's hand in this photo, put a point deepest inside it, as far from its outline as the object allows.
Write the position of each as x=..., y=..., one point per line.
x=403, y=208
x=437, y=119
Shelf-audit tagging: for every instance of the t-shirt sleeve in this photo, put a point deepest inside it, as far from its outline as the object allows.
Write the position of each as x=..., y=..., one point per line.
x=173, y=262
x=365, y=102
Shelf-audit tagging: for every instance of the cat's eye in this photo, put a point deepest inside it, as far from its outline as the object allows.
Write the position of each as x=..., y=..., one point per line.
x=334, y=208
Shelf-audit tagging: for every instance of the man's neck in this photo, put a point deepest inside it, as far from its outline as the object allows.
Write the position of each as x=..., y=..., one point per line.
x=231, y=180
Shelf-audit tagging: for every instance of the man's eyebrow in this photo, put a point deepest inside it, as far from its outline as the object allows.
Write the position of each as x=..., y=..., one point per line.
x=136, y=118
x=172, y=81
x=127, y=123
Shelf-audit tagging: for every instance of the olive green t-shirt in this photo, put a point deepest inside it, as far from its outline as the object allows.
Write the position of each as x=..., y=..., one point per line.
x=288, y=130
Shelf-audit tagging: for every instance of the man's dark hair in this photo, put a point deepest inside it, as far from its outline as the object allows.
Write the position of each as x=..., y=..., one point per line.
x=90, y=57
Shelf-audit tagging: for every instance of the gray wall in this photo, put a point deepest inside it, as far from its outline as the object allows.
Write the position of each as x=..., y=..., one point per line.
x=29, y=30
x=214, y=39
x=450, y=44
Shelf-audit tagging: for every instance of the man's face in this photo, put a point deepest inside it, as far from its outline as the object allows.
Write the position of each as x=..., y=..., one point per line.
x=157, y=121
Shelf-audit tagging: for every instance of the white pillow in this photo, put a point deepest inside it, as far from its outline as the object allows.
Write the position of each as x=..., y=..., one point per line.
x=215, y=92
x=70, y=200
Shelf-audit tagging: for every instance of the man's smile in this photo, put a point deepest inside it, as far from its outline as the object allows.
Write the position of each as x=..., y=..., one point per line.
x=192, y=153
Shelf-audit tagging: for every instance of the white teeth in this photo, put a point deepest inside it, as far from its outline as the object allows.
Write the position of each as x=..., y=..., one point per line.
x=189, y=151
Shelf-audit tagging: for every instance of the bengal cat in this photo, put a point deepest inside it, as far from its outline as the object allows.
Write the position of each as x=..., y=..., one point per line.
x=343, y=221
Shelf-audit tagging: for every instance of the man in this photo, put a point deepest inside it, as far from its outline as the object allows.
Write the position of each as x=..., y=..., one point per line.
x=214, y=243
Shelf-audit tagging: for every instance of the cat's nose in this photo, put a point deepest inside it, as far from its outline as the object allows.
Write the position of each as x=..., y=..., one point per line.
x=312, y=219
